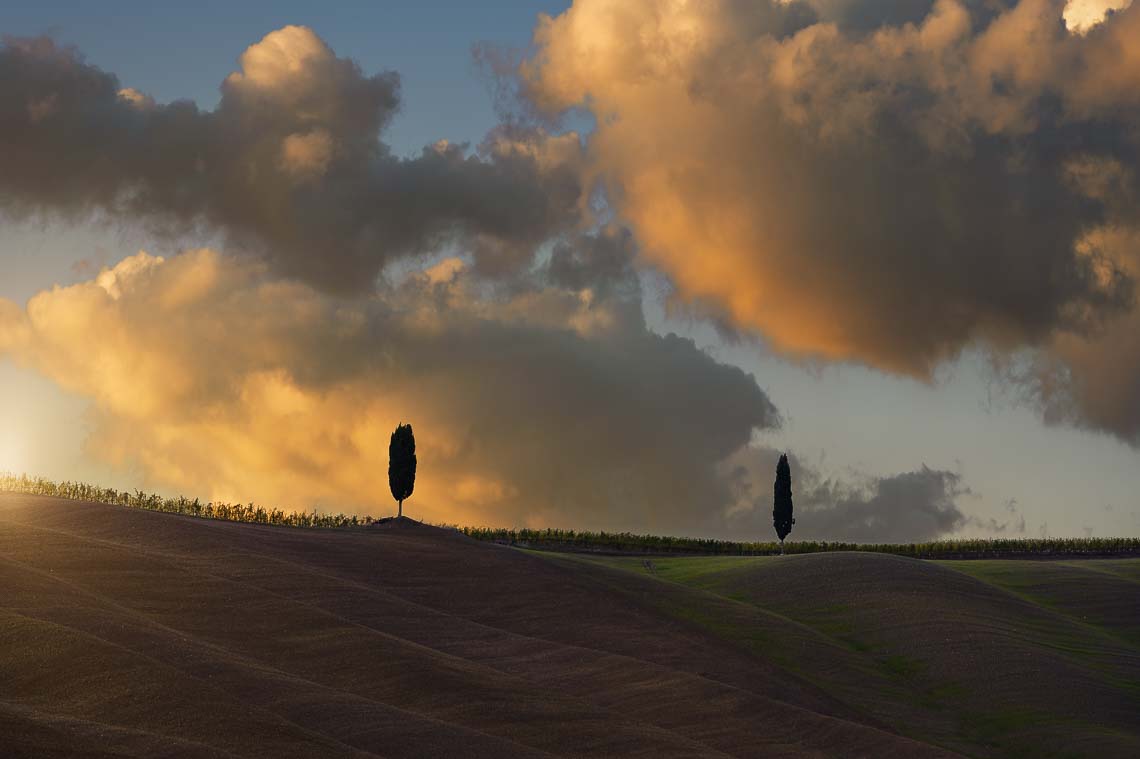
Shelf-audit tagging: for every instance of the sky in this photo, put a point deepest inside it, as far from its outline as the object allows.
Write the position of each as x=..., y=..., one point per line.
x=609, y=258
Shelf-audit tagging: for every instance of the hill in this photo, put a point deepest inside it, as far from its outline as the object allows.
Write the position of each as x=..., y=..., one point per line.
x=132, y=633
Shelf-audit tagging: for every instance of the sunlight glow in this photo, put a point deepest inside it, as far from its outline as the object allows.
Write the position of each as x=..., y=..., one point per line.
x=12, y=457
x=1082, y=15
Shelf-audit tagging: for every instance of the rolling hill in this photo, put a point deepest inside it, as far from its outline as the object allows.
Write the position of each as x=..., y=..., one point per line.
x=131, y=633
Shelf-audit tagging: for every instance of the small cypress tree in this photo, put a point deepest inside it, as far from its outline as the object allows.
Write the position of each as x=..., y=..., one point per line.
x=402, y=464
x=782, y=502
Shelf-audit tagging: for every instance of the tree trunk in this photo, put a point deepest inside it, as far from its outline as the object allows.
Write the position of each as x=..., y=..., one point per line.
x=400, y=513
x=781, y=546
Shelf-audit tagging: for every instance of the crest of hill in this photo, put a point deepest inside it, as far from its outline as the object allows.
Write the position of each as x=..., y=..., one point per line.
x=125, y=629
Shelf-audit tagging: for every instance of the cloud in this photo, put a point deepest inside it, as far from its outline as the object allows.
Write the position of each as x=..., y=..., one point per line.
x=290, y=165
x=1082, y=15
x=307, y=155
x=916, y=506
x=912, y=506
x=545, y=401
x=538, y=392
x=1090, y=380
x=883, y=183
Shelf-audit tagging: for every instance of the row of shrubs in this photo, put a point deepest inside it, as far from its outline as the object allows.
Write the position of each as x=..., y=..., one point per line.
x=571, y=540
x=229, y=512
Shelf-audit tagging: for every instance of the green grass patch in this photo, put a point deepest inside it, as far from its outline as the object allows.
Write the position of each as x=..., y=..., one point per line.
x=944, y=696
x=1005, y=728
x=661, y=545
x=902, y=667
x=1075, y=591
x=945, y=713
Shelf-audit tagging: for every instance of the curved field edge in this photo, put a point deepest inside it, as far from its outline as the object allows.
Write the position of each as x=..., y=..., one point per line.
x=1027, y=658
x=381, y=641
x=575, y=541
x=408, y=641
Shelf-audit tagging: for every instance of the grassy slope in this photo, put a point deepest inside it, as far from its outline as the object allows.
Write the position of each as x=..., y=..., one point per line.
x=132, y=633
x=1015, y=658
x=1103, y=594
x=123, y=633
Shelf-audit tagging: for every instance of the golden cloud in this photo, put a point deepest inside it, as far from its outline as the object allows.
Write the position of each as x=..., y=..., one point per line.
x=804, y=178
x=857, y=182
x=531, y=406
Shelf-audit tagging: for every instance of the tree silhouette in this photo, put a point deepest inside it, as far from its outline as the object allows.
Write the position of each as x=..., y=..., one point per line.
x=782, y=502
x=402, y=464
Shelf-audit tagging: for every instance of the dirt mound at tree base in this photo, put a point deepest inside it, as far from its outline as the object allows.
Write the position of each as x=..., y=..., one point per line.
x=405, y=523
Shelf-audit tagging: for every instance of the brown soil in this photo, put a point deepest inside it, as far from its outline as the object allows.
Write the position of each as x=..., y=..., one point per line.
x=1041, y=657
x=131, y=633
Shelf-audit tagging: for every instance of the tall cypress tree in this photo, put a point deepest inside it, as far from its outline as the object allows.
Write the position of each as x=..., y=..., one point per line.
x=782, y=501
x=402, y=464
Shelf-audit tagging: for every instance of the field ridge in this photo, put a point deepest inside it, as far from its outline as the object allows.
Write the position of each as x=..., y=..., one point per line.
x=578, y=541
x=464, y=640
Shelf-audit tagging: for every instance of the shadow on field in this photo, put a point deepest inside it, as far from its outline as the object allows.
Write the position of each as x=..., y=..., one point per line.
x=123, y=632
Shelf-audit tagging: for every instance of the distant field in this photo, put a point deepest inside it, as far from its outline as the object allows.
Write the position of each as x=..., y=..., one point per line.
x=625, y=543
x=125, y=632
x=574, y=540
x=1021, y=658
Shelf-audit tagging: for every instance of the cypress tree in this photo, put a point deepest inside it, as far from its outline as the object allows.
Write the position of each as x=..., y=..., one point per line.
x=782, y=501
x=402, y=464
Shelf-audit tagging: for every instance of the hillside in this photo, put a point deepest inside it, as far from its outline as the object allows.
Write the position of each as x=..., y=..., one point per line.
x=131, y=633
x=1026, y=658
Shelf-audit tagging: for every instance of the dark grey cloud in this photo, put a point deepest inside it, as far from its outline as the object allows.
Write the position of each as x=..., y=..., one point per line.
x=601, y=263
x=290, y=165
x=911, y=506
x=915, y=506
x=858, y=15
